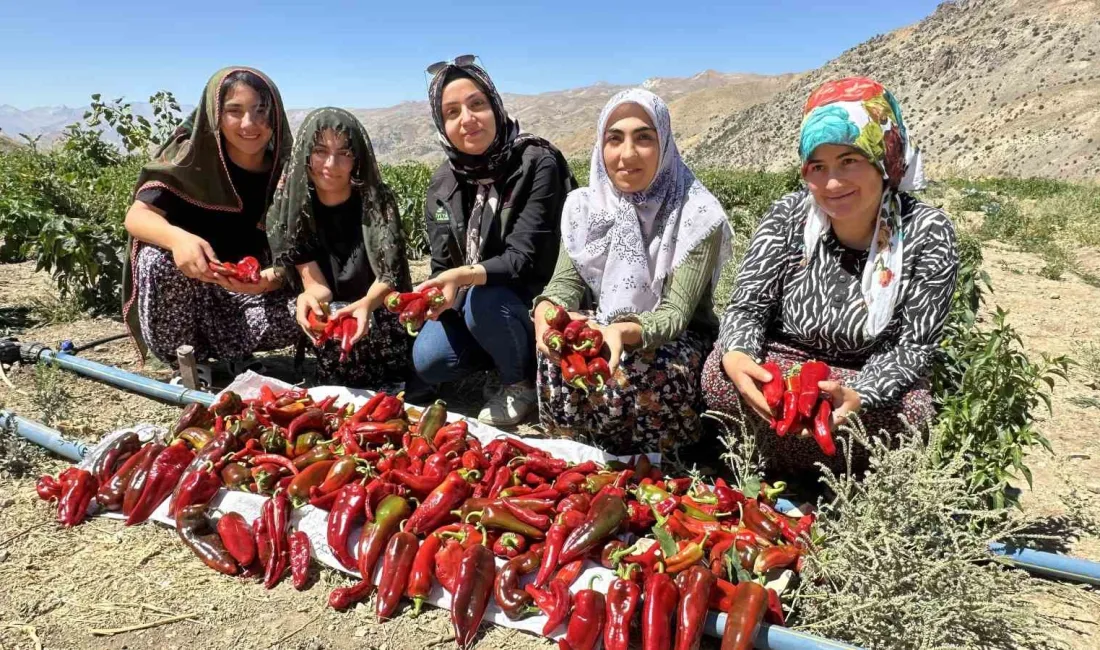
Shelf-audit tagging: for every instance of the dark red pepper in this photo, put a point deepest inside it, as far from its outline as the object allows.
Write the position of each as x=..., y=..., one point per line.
x=572, y=331
x=623, y=597
x=436, y=509
x=78, y=488
x=823, y=428
x=554, y=341
x=396, y=564
x=750, y=601
x=49, y=489
x=580, y=502
x=197, y=487
x=377, y=533
x=556, y=317
x=555, y=539
x=755, y=520
x=555, y=602
x=237, y=538
x=607, y=514
x=422, y=570
x=276, y=515
x=599, y=373
x=163, y=475
x=195, y=531
x=136, y=484
x=695, y=586
x=574, y=371
x=589, y=342
x=509, y=545
x=476, y=572
x=513, y=601
x=412, y=317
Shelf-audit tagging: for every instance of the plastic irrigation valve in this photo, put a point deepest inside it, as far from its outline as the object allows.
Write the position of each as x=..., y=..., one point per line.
x=67, y=346
x=31, y=351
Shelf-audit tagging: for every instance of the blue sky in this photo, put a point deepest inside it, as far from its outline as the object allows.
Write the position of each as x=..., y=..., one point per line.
x=371, y=54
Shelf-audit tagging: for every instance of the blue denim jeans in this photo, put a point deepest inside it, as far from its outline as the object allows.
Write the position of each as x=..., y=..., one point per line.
x=492, y=329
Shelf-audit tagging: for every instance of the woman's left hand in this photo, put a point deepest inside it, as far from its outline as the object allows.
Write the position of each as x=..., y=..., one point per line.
x=268, y=282
x=845, y=400
x=613, y=337
x=447, y=282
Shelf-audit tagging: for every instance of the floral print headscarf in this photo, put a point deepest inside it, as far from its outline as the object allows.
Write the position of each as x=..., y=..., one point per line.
x=858, y=112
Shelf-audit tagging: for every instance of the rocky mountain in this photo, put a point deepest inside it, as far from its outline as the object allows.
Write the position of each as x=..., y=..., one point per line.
x=988, y=87
x=991, y=87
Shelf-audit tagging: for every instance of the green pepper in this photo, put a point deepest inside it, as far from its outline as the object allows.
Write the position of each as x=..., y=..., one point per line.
x=433, y=418
x=375, y=534
x=605, y=516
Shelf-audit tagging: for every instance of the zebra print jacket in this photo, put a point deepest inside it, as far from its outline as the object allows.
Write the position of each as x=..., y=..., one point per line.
x=818, y=308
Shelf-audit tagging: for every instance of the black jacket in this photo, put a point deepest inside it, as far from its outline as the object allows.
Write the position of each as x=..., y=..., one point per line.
x=520, y=247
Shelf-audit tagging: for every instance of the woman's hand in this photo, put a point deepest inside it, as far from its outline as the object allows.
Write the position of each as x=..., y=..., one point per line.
x=845, y=400
x=268, y=282
x=617, y=336
x=745, y=374
x=305, y=303
x=541, y=326
x=192, y=255
x=449, y=282
x=360, y=311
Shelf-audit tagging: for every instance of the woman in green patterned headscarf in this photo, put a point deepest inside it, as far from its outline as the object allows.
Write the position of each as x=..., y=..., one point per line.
x=202, y=200
x=335, y=231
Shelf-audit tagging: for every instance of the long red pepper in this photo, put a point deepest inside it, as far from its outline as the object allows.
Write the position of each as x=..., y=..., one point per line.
x=474, y=589
x=554, y=601
x=607, y=513
x=421, y=574
x=823, y=428
x=346, y=512
x=658, y=609
x=78, y=488
x=695, y=587
x=773, y=390
x=375, y=534
x=397, y=562
x=277, y=522
x=436, y=508
x=300, y=551
x=163, y=475
x=811, y=373
x=750, y=601
x=623, y=597
x=586, y=623
x=237, y=538
x=555, y=538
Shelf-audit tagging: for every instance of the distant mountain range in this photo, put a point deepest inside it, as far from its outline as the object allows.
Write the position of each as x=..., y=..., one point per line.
x=989, y=87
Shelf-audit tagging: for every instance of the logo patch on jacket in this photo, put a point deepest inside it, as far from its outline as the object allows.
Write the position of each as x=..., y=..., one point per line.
x=441, y=214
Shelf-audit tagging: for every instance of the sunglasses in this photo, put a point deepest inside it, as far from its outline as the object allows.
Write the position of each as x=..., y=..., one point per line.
x=460, y=61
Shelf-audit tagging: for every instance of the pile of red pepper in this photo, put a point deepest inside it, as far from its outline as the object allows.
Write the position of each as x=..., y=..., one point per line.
x=797, y=402
x=412, y=307
x=582, y=353
x=247, y=270
x=438, y=506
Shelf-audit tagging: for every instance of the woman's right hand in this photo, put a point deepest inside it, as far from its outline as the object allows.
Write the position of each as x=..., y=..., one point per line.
x=306, y=303
x=745, y=374
x=541, y=326
x=192, y=255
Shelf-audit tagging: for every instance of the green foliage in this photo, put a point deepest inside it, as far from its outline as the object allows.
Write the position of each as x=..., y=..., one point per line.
x=51, y=397
x=409, y=182
x=905, y=559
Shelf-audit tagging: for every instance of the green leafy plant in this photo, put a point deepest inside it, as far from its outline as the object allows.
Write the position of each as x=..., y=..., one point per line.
x=51, y=397
x=409, y=182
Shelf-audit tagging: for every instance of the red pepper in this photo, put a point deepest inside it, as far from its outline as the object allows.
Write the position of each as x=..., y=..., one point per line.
x=340, y=473
x=513, y=601
x=589, y=342
x=574, y=371
x=322, y=501
x=607, y=514
x=775, y=615
x=396, y=565
x=556, y=317
x=554, y=601
x=397, y=302
x=773, y=390
x=194, y=529
x=572, y=331
x=823, y=428
x=375, y=534
x=728, y=498
x=48, y=488
x=434, y=296
x=555, y=539
x=755, y=520
x=412, y=317
x=686, y=557
x=509, y=545
x=776, y=557
x=718, y=554
x=237, y=538
x=436, y=508
x=812, y=372
x=599, y=373
x=388, y=408
x=163, y=475
x=750, y=600
x=623, y=597
x=641, y=517
x=317, y=323
x=348, y=510
x=300, y=549
x=658, y=609
x=721, y=595
x=279, y=461
x=476, y=572
x=554, y=341
x=586, y=623
x=473, y=460
x=446, y=564
x=263, y=540
x=78, y=488
x=313, y=418
x=136, y=485
x=343, y=597
x=569, y=573
x=580, y=501
x=421, y=486
x=198, y=487
x=695, y=586
x=275, y=522
x=542, y=522
x=421, y=573
x=376, y=492
x=362, y=414
x=248, y=270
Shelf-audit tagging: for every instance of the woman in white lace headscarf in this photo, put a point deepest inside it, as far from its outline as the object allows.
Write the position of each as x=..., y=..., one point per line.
x=641, y=246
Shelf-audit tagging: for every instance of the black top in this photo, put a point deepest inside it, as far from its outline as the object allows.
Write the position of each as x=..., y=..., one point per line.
x=818, y=308
x=233, y=235
x=520, y=245
x=338, y=249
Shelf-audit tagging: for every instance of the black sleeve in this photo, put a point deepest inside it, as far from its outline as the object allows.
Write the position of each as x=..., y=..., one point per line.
x=307, y=250
x=535, y=227
x=161, y=199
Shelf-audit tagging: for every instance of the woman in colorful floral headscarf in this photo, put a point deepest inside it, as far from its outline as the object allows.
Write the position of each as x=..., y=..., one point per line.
x=850, y=270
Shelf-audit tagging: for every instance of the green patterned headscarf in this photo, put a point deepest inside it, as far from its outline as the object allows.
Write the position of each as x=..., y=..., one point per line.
x=290, y=220
x=192, y=166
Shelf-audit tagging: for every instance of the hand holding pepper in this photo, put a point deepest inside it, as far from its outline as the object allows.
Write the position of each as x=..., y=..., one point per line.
x=845, y=401
x=746, y=374
x=359, y=311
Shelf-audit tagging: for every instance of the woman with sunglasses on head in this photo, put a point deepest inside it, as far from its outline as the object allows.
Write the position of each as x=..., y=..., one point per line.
x=201, y=202
x=492, y=214
x=335, y=230
x=644, y=243
x=851, y=270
